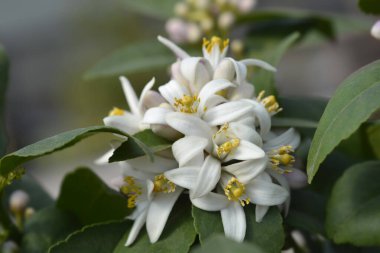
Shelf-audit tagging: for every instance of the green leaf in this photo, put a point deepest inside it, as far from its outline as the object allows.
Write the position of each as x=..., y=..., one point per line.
x=4, y=69
x=352, y=104
x=206, y=223
x=162, y=9
x=353, y=211
x=132, y=59
x=374, y=138
x=263, y=79
x=131, y=148
x=99, y=238
x=221, y=244
x=267, y=234
x=178, y=235
x=45, y=228
x=293, y=122
x=370, y=6
x=84, y=195
x=307, y=108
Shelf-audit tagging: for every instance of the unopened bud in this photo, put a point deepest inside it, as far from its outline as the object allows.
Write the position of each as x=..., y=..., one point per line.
x=181, y=9
x=226, y=20
x=245, y=6
x=177, y=30
x=375, y=31
x=237, y=47
x=225, y=70
x=297, y=179
x=29, y=212
x=202, y=4
x=194, y=33
x=207, y=24
x=18, y=201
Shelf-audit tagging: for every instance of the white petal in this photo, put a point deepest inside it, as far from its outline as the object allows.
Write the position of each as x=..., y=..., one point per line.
x=262, y=115
x=265, y=193
x=103, y=160
x=234, y=223
x=130, y=95
x=173, y=90
x=258, y=63
x=245, y=90
x=284, y=183
x=226, y=112
x=185, y=149
x=246, y=170
x=156, y=115
x=159, y=165
x=245, y=151
x=297, y=179
x=128, y=170
x=158, y=213
x=210, y=89
x=147, y=88
x=139, y=209
x=179, y=52
x=245, y=132
x=208, y=177
x=127, y=123
x=241, y=71
x=211, y=202
x=137, y=225
x=260, y=212
x=184, y=177
x=197, y=71
x=290, y=137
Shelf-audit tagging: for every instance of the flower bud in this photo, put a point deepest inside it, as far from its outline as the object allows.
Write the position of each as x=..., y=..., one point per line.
x=226, y=20
x=375, y=31
x=176, y=28
x=29, y=212
x=181, y=9
x=202, y=4
x=10, y=247
x=207, y=24
x=18, y=201
x=237, y=47
x=152, y=99
x=245, y=6
x=297, y=179
x=225, y=70
x=194, y=33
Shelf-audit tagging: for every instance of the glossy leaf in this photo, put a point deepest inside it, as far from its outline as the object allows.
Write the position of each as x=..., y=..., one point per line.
x=4, y=69
x=162, y=9
x=206, y=223
x=84, y=195
x=370, y=6
x=352, y=104
x=265, y=80
x=132, y=59
x=131, y=148
x=353, y=212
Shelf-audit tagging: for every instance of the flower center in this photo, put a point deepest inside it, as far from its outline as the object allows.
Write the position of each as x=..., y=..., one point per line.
x=282, y=157
x=269, y=102
x=235, y=191
x=187, y=104
x=162, y=184
x=215, y=41
x=227, y=147
x=116, y=112
x=131, y=190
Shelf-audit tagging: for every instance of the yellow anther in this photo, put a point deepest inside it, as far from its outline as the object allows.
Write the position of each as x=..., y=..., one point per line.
x=215, y=41
x=269, y=102
x=282, y=157
x=131, y=190
x=162, y=184
x=116, y=112
x=187, y=104
x=235, y=191
x=227, y=147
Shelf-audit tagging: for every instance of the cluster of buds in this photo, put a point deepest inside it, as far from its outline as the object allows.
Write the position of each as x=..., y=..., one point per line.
x=197, y=18
x=18, y=205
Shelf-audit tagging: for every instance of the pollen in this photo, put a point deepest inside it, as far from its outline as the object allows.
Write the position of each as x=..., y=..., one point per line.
x=235, y=191
x=131, y=190
x=227, y=147
x=187, y=104
x=162, y=184
x=269, y=102
x=116, y=112
x=282, y=157
x=215, y=41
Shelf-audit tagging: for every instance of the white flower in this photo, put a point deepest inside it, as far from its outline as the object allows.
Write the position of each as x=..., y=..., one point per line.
x=375, y=31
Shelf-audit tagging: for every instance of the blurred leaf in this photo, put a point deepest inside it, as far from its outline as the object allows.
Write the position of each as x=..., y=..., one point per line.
x=370, y=6
x=293, y=122
x=374, y=139
x=178, y=235
x=45, y=228
x=308, y=108
x=352, y=104
x=131, y=148
x=263, y=79
x=4, y=68
x=132, y=59
x=206, y=223
x=267, y=234
x=221, y=244
x=84, y=195
x=99, y=238
x=162, y=9
x=353, y=211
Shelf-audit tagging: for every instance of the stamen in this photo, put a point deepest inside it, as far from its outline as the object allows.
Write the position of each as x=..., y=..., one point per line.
x=227, y=147
x=131, y=191
x=116, y=112
x=235, y=191
x=215, y=41
x=282, y=157
x=269, y=102
x=162, y=184
x=187, y=104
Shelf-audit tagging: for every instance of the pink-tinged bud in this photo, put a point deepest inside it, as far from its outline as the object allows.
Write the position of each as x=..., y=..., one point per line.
x=226, y=20
x=18, y=201
x=194, y=33
x=225, y=70
x=177, y=30
x=375, y=31
x=152, y=99
x=297, y=179
x=245, y=6
x=166, y=131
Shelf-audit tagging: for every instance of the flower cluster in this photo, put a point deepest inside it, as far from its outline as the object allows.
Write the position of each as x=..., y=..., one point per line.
x=224, y=154
x=197, y=18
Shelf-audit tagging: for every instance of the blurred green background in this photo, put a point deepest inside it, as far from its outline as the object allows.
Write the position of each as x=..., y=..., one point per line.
x=52, y=43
